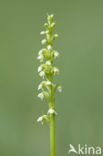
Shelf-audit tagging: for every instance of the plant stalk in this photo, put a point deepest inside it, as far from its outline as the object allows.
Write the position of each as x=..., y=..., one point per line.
x=52, y=135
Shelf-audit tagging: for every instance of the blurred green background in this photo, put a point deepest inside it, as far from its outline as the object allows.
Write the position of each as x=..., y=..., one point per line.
x=80, y=106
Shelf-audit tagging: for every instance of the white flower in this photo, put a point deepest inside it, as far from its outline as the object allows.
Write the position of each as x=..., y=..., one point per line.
x=42, y=33
x=39, y=68
x=48, y=63
x=56, y=35
x=40, y=119
x=40, y=52
x=42, y=73
x=43, y=41
x=56, y=54
x=47, y=32
x=41, y=96
x=56, y=70
x=40, y=57
x=49, y=47
x=40, y=86
x=59, y=88
x=46, y=25
x=53, y=24
x=51, y=15
x=48, y=83
x=51, y=111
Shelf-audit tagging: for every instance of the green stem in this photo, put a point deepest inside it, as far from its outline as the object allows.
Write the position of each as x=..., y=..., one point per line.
x=52, y=135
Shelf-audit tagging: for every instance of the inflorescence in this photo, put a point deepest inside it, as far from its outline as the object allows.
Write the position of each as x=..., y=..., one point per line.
x=47, y=69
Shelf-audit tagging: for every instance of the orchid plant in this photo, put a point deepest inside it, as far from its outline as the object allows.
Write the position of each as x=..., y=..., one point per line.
x=47, y=70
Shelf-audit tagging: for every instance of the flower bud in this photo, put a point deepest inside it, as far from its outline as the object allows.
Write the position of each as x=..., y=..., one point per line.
x=46, y=26
x=50, y=18
x=55, y=36
x=53, y=25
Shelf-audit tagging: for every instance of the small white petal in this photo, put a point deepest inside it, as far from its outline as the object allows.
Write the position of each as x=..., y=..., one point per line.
x=39, y=119
x=47, y=32
x=42, y=33
x=48, y=63
x=59, y=88
x=40, y=57
x=51, y=15
x=43, y=41
x=42, y=73
x=56, y=35
x=53, y=24
x=42, y=118
x=56, y=54
x=48, y=83
x=40, y=52
x=51, y=111
x=49, y=47
x=40, y=86
x=39, y=68
x=41, y=96
x=56, y=70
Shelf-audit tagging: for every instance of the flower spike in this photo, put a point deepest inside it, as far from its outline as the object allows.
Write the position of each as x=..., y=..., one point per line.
x=47, y=70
